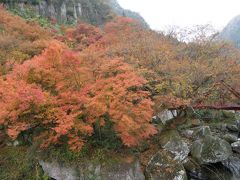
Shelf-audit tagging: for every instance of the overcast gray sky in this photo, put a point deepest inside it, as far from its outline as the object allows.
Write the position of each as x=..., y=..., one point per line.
x=163, y=13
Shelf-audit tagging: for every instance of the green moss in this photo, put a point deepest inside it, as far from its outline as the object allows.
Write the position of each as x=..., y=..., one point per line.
x=19, y=163
x=87, y=154
x=30, y=15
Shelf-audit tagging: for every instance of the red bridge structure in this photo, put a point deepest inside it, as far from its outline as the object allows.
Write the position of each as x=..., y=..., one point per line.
x=223, y=106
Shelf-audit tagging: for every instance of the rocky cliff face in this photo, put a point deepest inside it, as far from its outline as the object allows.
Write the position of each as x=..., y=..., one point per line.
x=95, y=12
x=232, y=31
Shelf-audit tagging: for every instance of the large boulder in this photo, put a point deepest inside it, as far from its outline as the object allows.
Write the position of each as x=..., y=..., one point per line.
x=58, y=171
x=179, y=148
x=210, y=149
x=171, y=141
x=97, y=171
x=232, y=127
x=207, y=171
x=164, y=116
x=163, y=166
x=233, y=163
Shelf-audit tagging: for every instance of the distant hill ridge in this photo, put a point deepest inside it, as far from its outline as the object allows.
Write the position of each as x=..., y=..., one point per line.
x=96, y=12
x=232, y=31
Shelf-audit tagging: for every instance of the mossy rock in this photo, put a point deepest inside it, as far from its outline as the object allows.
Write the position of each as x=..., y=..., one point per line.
x=163, y=166
x=128, y=169
x=202, y=132
x=167, y=136
x=211, y=149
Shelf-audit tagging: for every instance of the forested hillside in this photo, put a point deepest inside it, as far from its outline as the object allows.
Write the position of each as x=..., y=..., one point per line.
x=77, y=87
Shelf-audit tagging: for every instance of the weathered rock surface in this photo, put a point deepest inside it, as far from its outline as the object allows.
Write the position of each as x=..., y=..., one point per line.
x=231, y=138
x=116, y=171
x=192, y=168
x=164, y=116
x=233, y=163
x=171, y=141
x=232, y=127
x=187, y=133
x=58, y=171
x=179, y=148
x=210, y=150
x=167, y=136
x=236, y=146
x=202, y=132
x=163, y=166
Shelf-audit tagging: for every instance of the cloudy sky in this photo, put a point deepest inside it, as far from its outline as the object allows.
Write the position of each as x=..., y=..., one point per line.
x=161, y=14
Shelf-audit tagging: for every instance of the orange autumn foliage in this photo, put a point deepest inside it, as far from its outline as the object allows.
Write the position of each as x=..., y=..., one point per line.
x=90, y=75
x=75, y=94
x=19, y=40
x=81, y=36
x=179, y=74
x=20, y=102
x=129, y=109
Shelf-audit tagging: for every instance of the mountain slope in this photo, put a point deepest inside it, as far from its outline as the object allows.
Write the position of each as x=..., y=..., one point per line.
x=232, y=31
x=96, y=12
x=124, y=12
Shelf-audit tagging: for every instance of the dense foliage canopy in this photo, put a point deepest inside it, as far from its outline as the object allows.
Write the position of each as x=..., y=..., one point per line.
x=89, y=76
x=65, y=93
